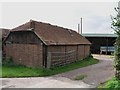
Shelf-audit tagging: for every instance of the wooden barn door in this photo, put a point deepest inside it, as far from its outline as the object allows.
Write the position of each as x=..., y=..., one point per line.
x=44, y=53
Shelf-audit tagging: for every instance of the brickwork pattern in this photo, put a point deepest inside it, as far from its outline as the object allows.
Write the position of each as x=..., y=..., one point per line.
x=25, y=54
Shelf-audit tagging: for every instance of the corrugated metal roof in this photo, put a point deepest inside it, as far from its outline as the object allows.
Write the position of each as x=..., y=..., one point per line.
x=98, y=35
x=53, y=35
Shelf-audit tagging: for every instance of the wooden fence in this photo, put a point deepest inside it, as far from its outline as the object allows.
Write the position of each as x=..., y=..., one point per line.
x=60, y=58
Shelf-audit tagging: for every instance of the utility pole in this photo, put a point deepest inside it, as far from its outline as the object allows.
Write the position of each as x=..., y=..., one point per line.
x=81, y=24
x=80, y=27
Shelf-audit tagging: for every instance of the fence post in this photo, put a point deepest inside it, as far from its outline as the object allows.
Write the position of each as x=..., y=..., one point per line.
x=49, y=60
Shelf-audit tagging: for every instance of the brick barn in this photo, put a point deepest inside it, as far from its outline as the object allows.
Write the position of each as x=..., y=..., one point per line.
x=38, y=44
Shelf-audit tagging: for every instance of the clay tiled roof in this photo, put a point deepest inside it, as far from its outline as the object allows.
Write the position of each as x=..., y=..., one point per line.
x=53, y=35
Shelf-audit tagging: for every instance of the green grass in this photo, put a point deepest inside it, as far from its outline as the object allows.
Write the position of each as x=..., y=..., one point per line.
x=112, y=84
x=22, y=71
x=80, y=77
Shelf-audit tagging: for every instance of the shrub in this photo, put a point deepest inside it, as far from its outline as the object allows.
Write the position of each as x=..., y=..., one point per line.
x=8, y=61
x=116, y=27
x=113, y=84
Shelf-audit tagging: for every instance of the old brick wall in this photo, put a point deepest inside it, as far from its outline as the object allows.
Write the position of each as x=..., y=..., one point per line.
x=31, y=54
x=25, y=54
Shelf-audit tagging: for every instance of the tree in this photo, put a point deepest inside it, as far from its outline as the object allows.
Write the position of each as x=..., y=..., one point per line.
x=116, y=27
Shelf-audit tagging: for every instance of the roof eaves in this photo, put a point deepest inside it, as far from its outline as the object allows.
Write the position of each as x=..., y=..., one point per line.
x=70, y=44
x=22, y=30
x=99, y=35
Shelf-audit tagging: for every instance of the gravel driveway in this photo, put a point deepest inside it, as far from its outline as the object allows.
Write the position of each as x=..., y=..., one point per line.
x=96, y=74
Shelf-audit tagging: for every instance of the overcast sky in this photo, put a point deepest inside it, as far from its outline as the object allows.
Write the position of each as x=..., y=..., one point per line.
x=96, y=15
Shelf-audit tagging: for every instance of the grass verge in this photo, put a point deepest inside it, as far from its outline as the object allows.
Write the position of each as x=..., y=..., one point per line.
x=22, y=71
x=112, y=84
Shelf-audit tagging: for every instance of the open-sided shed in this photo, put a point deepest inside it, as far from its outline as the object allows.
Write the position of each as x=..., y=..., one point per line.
x=38, y=44
x=101, y=43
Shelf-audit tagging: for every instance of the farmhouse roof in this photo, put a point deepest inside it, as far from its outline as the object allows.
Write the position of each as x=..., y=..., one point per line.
x=52, y=34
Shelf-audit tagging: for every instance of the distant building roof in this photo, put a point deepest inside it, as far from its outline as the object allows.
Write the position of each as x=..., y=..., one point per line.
x=98, y=35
